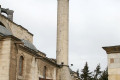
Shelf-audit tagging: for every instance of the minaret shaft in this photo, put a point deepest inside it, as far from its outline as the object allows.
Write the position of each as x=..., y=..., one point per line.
x=62, y=40
x=62, y=31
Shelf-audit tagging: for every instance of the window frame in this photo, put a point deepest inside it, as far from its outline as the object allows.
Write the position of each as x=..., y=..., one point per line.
x=21, y=62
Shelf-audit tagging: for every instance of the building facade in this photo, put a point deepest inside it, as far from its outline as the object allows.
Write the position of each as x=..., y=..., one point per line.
x=113, y=53
x=19, y=58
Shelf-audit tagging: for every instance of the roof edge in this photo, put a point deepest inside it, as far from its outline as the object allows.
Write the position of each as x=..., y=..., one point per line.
x=17, y=24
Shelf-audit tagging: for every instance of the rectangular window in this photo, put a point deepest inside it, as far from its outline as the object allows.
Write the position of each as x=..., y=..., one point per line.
x=112, y=60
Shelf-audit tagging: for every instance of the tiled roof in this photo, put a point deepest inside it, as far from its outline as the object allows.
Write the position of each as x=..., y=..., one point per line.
x=29, y=45
x=4, y=31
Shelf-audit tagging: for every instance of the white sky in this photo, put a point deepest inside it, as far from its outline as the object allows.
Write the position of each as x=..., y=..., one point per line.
x=93, y=24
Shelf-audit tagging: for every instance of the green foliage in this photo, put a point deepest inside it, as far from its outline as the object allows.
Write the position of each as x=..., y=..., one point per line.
x=77, y=72
x=96, y=75
x=104, y=75
x=86, y=74
x=97, y=72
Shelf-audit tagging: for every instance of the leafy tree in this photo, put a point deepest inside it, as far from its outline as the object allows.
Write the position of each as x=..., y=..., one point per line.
x=77, y=72
x=97, y=72
x=104, y=75
x=86, y=74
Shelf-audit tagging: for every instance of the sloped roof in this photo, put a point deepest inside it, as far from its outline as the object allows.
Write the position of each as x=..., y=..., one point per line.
x=29, y=45
x=4, y=31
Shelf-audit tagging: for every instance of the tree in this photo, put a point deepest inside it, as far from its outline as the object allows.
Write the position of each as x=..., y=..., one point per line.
x=97, y=72
x=104, y=75
x=77, y=72
x=86, y=74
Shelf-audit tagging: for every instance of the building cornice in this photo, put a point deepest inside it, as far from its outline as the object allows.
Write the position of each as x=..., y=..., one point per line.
x=112, y=49
x=50, y=61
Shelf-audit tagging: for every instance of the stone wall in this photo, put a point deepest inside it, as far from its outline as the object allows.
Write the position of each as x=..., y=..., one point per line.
x=33, y=68
x=114, y=66
x=10, y=53
x=13, y=61
x=27, y=65
x=116, y=60
x=16, y=30
x=5, y=47
x=114, y=74
x=50, y=69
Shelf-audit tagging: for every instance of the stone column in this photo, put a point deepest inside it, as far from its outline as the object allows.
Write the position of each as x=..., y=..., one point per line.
x=62, y=39
x=62, y=32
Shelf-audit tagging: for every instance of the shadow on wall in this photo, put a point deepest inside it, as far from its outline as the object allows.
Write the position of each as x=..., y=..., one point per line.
x=2, y=24
x=44, y=79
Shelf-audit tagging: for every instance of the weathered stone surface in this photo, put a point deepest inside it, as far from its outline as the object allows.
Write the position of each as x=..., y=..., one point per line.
x=113, y=53
x=62, y=39
x=12, y=47
x=62, y=32
x=114, y=74
x=5, y=47
x=16, y=30
x=116, y=57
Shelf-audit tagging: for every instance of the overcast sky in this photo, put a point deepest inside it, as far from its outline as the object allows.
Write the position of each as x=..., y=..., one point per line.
x=92, y=25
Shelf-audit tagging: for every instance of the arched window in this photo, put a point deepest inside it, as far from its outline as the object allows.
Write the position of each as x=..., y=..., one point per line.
x=44, y=72
x=21, y=65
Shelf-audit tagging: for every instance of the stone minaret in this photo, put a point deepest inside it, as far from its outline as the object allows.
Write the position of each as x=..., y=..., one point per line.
x=62, y=39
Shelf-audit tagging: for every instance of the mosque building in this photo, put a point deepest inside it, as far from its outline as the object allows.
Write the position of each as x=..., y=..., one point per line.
x=21, y=60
